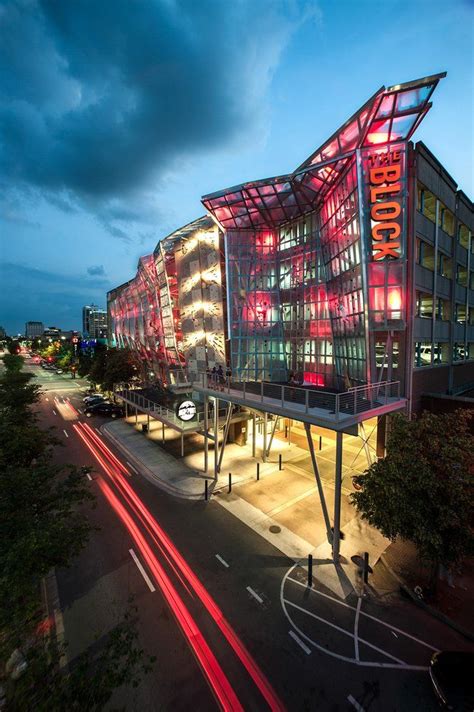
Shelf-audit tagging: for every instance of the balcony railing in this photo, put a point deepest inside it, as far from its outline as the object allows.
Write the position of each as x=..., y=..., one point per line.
x=305, y=400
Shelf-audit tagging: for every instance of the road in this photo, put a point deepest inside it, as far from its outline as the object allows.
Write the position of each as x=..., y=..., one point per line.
x=229, y=617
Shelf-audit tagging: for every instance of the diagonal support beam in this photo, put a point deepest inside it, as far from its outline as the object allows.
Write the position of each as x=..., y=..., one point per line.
x=226, y=433
x=322, y=498
x=271, y=436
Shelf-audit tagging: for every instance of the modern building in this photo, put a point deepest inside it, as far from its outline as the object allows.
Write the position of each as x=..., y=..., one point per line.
x=94, y=322
x=34, y=329
x=356, y=268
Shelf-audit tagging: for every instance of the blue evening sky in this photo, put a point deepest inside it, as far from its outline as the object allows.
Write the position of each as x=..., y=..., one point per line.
x=116, y=117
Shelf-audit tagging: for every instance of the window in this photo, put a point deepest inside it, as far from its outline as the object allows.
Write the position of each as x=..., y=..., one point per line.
x=459, y=351
x=423, y=353
x=470, y=353
x=446, y=219
x=443, y=309
x=463, y=236
x=460, y=315
x=426, y=202
x=424, y=305
x=471, y=316
x=445, y=266
x=471, y=280
x=441, y=353
x=381, y=355
x=461, y=275
x=425, y=254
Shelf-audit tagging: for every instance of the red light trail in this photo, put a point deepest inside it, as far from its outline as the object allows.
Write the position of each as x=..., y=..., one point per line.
x=171, y=552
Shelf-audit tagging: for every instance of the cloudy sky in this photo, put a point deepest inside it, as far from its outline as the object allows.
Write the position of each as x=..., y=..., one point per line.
x=116, y=116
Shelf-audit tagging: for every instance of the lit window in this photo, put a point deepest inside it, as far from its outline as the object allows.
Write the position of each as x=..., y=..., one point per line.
x=443, y=309
x=460, y=316
x=426, y=202
x=425, y=254
x=459, y=351
x=463, y=236
x=446, y=220
x=423, y=352
x=445, y=266
x=461, y=275
x=424, y=305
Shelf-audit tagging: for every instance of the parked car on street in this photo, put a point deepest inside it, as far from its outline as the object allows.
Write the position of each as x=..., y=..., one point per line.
x=108, y=409
x=93, y=396
x=59, y=370
x=452, y=675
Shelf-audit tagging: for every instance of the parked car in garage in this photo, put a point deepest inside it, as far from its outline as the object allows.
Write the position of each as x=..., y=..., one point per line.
x=105, y=409
x=452, y=675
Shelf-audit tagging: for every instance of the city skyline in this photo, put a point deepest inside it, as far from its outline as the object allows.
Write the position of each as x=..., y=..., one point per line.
x=311, y=50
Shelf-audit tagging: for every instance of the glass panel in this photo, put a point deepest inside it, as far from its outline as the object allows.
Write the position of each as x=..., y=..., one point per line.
x=402, y=126
x=412, y=98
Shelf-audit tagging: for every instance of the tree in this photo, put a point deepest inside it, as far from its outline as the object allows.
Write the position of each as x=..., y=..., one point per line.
x=17, y=394
x=119, y=368
x=13, y=362
x=422, y=491
x=13, y=346
x=99, y=362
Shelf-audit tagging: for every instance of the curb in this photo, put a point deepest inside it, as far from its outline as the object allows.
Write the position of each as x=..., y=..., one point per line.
x=148, y=474
x=429, y=609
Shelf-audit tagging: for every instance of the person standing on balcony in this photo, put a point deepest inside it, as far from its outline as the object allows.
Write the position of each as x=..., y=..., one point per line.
x=220, y=376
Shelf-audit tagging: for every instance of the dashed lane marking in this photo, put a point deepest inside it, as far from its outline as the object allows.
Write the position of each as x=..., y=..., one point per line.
x=298, y=640
x=355, y=704
x=223, y=561
x=54, y=412
x=88, y=476
x=148, y=581
x=254, y=594
x=65, y=433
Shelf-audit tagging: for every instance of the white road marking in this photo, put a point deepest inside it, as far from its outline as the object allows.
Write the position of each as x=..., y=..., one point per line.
x=54, y=412
x=401, y=663
x=65, y=433
x=355, y=704
x=254, y=594
x=79, y=410
x=223, y=562
x=298, y=640
x=47, y=400
x=59, y=625
x=356, y=629
x=142, y=571
x=88, y=476
x=98, y=430
x=131, y=467
x=367, y=615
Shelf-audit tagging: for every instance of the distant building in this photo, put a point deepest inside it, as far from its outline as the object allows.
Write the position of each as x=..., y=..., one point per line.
x=94, y=322
x=3, y=333
x=34, y=329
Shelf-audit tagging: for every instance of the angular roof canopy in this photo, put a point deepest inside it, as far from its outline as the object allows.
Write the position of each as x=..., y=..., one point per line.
x=389, y=115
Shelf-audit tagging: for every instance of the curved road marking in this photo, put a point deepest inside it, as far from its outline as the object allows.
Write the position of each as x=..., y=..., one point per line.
x=356, y=629
x=338, y=656
x=367, y=615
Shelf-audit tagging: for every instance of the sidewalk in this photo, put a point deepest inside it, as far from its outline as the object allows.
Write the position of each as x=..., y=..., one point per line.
x=453, y=600
x=282, y=506
x=154, y=463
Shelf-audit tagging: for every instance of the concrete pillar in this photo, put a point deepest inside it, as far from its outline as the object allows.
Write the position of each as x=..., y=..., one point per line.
x=182, y=445
x=206, y=433
x=163, y=433
x=265, y=419
x=216, y=437
x=337, y=499
x=254, y=434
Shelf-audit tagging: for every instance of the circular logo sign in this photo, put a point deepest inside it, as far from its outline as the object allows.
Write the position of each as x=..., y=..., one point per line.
x=186, y=410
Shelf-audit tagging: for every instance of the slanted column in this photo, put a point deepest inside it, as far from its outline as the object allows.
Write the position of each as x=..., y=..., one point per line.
x=337, y=499
x=216, y=437
x=206, y=432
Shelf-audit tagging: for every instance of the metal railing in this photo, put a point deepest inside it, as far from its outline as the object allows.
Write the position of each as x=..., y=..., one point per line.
x=352, y=402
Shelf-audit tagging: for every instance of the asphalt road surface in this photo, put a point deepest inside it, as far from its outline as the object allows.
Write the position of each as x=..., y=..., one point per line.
x=228, y=616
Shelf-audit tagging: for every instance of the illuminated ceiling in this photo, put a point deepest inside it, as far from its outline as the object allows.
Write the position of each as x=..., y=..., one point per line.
x=391, y=114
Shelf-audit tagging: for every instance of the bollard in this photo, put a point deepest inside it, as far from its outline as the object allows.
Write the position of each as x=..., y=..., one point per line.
x=205, y=490
x=230, y=481
x=310, y=570
x=280, y=466
x=320, y=442
x=286, y=431
x=366, y=566
x=258, y=470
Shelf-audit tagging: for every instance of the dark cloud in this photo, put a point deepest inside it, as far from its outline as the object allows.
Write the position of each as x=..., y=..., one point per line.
x=50, y=297
x=99, y=99
x=96, y=271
